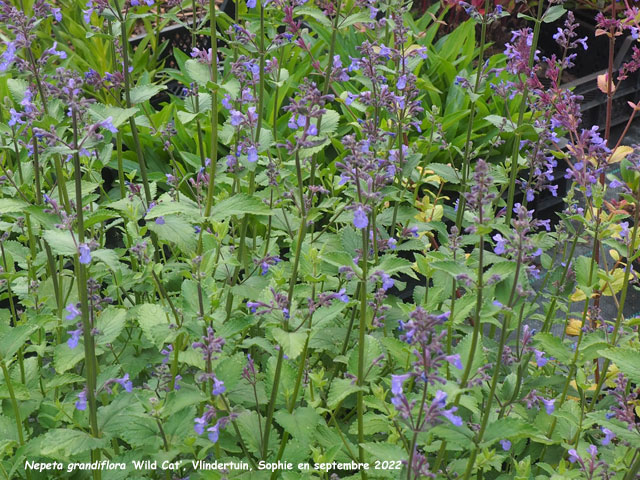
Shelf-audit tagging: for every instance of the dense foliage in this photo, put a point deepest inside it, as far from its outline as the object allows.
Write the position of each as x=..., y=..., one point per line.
x=319, y=249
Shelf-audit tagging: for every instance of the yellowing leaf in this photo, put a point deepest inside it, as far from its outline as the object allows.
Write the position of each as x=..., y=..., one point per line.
x=604, y=84
x=620, y=153
x=577, y=296
x=614, y=254
x=574, y=326
x=611, y=288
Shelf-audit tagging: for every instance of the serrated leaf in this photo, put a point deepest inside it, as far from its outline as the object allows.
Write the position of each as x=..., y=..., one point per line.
x=372, y=350
x=17, y=88
x=118, y=115
x=63, y=442
x=172, y=208
x=626, y=359
x=108, y=257
x=60, y=241
x=142, y=93
x=291, y=342
x=341, y=388
x=12, y=205
x=197, y=71
x=553, y=347
x=175, y=230
x=507, y=428
x=239, y=204
x=11, y=341
x=301, y=423
x=110, y=323
x=385, y=451
x=65, y=358
x=153, y=322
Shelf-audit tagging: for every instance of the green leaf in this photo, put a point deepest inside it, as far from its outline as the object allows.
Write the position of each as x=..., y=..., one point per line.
x=17, y=88
x=553, y=13
x=341, y=388
x=553, y=347
x=65, y=358
x=360, y=17
x=63, y=442
x=108, y=257
x=142, y=93
x=118, y=115
x=11, y=341
x=229, y=370
x=170, y=208
x=385, y=451
x=175, y=230
x=60, y=241
x=197, y=71
x=446, y=172
x=12, y=205
x=583, y=268
x=110, y=323
x=249, y=426
x=315, y=13
x=301, y=424
x=511, y=428
x=627, y=360
x=291, y=342
x=372, y=350
x=239, y=204
x=153, y=321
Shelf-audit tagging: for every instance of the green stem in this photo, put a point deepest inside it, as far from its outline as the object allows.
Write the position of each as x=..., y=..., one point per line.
x=214, y=108
x=81, y=273
x=472, y=114
x=523, y=106
x=361, y=350
x=292, y=282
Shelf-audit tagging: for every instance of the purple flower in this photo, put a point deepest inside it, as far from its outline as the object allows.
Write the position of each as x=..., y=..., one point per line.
x=396, y=383
x=360, y=219
x=593, y=451
x=350, y=98
x=125, y=383
x=624, y=231
x=85, y=253
x=541, y=361
x=218, y=387
x=608, y=436
x=75, y=338
x=387, y=281
x=549, y=405
x=312, y=130
x=201, y=422
x=53, y=51
x=573, y=456
x=236, y=118
x=56, y=14
x=8, y=56
x=214, y=432
x=108, y=124
x=160, y=221
x=342, y=296
x=402, y=82
x=81, y=403
x=253, y=306
x=454, y=419
x=392, y=243
x=252, y=154
x=501, y=242
x=455, y=360
x=73, y=311
x=251, y=3
x=506, y=445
